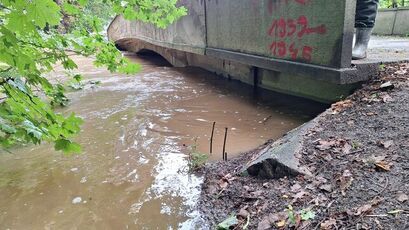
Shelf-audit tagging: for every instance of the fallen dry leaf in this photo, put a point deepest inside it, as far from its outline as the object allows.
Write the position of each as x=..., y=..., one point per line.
x=325, y=145
x=345, y=181
x=341, y=105
x=225, y=181
x=280, y=224
x=223, y=184
x=346, y=149
x=328, y=224
x=363, y=209
x=296, y=187
x=386, y=144
x=383, y=165
x=377, y=159
x=402, y=197
x=278, y=219
x=299, y=195
x=264, y=224
x=386, y=98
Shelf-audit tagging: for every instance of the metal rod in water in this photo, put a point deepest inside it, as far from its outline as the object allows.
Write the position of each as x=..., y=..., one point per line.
x=224, y=145
x=211, y=138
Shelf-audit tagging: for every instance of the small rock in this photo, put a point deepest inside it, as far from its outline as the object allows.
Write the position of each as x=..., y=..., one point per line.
x=266, y=185
x=83, y=180
x=76, y=200
x=243, y=213
x=296, y=187
x=61, y=211
x=326, y=187
x=386, y=86
x=74, y=169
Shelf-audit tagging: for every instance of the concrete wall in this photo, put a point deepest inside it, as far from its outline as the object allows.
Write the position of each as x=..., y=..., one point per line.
x=392, y=22
x=299, y=31
x=295, y=30
x=187, y=34
x=298, y=47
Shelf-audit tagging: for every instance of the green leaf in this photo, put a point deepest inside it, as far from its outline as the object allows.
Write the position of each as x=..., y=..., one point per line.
x=397, y=211
x=43, y=12
x=82, y=2
x=31, y=46
x=67, y=146
x=70, y=9
x=229, y=222
x=307, y=215
x=33, y=130
x=7, y=128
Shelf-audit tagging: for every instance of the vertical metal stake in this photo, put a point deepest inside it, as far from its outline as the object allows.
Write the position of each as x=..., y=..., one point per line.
x=224, y=145
x=211, y=138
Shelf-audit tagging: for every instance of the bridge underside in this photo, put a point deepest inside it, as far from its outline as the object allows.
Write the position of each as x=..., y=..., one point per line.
x=326, y=86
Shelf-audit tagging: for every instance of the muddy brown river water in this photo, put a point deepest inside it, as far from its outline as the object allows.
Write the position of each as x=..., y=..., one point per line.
x=132, y=173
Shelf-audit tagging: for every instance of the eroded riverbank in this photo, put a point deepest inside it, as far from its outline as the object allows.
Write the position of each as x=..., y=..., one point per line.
x=133, y=171
x=357, y=153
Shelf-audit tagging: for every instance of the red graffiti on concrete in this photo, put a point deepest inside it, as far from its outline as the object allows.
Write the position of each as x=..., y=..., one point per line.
x=287, y=28
x=282, y=49
x=283, y=28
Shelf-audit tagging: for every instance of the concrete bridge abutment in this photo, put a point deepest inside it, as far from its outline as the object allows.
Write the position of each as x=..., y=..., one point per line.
x=302, y=48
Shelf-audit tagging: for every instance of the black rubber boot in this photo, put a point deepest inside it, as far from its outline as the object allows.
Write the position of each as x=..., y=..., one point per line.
x=363, y=35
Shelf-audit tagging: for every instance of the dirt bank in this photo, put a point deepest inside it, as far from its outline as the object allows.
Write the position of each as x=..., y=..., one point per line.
x=358, y=154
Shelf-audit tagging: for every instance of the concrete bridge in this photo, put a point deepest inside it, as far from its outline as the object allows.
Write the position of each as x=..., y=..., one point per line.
x=298, y=47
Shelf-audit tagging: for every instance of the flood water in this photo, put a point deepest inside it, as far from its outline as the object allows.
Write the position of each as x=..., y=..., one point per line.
x=133, y=173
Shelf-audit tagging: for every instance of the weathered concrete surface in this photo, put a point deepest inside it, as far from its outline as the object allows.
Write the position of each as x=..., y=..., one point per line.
x=280, y=159
x=385, y=21
x=221, y=37
x=316, y=32
x=306, y=41
x=392, y=22
x=187, y=34
x=384, y=49
x=314, y=89
x=282, y=82
x=402, y=24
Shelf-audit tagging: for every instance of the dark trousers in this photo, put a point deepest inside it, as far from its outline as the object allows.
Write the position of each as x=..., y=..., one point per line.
x=366, y=11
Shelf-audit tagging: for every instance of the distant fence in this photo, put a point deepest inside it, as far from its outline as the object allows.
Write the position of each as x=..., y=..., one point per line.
x=392, y=21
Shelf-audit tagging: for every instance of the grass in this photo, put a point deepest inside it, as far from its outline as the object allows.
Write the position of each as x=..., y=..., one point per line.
x=196, y=159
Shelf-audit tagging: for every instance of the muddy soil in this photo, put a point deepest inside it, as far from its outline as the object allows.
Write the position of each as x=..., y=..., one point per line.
x=358, y=154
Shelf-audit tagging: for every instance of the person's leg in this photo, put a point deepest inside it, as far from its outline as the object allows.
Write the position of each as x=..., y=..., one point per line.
x=366, y=11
